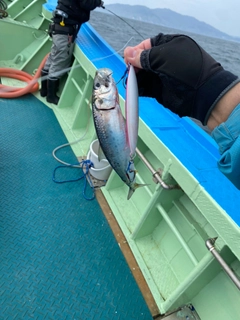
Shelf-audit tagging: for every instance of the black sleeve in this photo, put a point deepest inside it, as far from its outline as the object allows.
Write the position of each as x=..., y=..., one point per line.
x=89, y=4
x=157, y=41
x=181, y=58
x=162, y=38
x=178, y=57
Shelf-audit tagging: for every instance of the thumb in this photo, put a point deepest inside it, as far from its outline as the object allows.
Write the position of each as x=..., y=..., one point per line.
x=132, y=55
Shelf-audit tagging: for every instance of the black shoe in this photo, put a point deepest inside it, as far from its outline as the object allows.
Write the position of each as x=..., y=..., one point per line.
x=52, y=87
x=43, y=90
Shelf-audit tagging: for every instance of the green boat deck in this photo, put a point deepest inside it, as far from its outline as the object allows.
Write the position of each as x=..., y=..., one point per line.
x=166, y=229
x=59, y=257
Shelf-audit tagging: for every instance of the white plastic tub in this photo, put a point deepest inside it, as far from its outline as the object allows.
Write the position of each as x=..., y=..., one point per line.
x=101, y=169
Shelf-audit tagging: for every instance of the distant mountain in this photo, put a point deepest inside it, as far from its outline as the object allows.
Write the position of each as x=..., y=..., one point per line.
x=168, y=18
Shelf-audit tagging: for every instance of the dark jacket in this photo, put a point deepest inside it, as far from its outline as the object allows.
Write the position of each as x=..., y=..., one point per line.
x=78, y=10
x=182, y=76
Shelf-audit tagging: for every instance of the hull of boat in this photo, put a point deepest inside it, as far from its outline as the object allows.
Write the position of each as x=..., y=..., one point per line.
x=166, y=228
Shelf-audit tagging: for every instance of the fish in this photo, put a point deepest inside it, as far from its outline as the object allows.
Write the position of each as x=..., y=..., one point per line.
x=110, y=126
x=131, y=110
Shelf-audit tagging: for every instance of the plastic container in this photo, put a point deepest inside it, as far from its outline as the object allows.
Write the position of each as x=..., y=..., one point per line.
x=101, y=169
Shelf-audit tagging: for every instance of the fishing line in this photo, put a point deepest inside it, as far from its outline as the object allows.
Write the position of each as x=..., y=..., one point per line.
x=81, y=138
x=63, y=71
x=125, y=22
x=71, y=143
x=113, y=54
x=60, y=73
x=124, y=78
x=85, y=165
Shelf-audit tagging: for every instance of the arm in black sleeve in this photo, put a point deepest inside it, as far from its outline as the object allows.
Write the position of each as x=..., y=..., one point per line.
x=89, y=4
x=162, y=38
x=156, y=41
x=180, y=58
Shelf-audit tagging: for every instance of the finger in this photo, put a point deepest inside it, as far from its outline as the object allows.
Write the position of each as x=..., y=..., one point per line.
x=127, y=54
x=130, y=55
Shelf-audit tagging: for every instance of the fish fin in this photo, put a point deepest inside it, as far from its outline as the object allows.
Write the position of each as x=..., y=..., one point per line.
x=132, y=189
x=101, y=155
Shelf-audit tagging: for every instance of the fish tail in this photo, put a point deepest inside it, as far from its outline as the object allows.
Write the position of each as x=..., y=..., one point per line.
x=133, y=188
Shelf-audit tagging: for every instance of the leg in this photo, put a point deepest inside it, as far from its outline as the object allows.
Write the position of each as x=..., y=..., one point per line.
x=59, y=61
x=44, y=75
x=43, y=90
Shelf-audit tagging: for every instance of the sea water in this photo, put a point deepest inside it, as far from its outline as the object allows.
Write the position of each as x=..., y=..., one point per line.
x=119, y=34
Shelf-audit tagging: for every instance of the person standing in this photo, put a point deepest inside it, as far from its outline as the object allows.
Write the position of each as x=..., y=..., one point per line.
x=68, y=17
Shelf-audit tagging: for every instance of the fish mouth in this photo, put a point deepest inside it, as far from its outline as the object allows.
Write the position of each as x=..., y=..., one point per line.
x=102, y=102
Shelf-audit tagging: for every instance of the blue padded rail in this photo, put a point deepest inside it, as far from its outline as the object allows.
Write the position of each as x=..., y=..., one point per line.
x=190, y=144
x=50, y=5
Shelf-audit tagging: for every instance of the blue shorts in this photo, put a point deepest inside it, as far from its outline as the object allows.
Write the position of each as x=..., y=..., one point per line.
x=227, y=136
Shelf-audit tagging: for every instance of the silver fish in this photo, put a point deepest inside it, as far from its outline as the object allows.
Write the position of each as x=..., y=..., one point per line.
x=111, y=128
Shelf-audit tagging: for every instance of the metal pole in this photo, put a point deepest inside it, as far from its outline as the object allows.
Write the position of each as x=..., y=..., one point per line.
x=227, y=269
x=155, y=173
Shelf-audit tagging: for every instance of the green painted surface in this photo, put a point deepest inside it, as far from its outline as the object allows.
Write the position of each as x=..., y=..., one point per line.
x=166, y=229
x=59, y=259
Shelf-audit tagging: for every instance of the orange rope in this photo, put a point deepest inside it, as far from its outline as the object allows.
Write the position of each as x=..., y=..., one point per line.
x=32, y=82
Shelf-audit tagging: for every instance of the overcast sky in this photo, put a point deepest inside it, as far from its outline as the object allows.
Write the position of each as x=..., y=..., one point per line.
x=222, y=15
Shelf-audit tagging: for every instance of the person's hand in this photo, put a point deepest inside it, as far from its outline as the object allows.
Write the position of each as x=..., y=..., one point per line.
x=132, y=56
x=102, y=5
